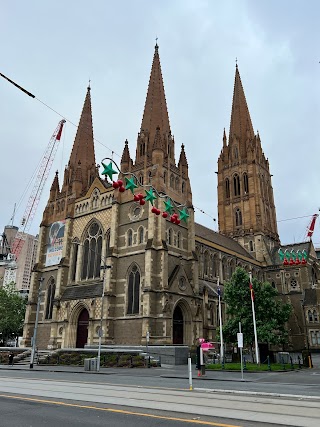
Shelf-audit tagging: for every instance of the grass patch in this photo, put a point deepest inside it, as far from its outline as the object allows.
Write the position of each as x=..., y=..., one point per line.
x=250, y=367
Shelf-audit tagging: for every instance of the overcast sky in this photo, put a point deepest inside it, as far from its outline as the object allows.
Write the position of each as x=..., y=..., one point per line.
x=52, y=48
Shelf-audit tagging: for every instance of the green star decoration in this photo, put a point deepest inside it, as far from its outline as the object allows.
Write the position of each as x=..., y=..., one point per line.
x=168, y=205
x=150, y=197
x=108, y=170
x=184, y=215
x=130, y=184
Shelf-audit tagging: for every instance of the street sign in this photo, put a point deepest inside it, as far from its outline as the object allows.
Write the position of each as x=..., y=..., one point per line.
x=148, y=336
x=240, y=339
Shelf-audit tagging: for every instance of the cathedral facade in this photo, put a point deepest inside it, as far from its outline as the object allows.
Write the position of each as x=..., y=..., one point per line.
x=103, y=255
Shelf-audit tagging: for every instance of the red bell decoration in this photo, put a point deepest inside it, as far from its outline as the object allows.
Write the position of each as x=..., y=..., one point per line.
x=154, y=210
x=291, y=262
x=140, y=196
x=173, y=218
x=164, y=214
x=122, y=189
x=115, y=184
x=136, y=198
x=297, y=261
x=285, y=262
x=158, y=212
x=142, y=202
x=303, y=261
x=120, y=182
x=177, y=221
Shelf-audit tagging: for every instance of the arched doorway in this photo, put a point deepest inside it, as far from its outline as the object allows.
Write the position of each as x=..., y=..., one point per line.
x=177, y=335
x=82, y=328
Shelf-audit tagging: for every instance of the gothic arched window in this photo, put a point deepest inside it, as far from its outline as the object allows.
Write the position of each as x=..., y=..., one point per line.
x=150, y=176
x=141, y=235
x=50, y=297
x=179, y=239
x=165, y=177
x=206, y=264
x=315, y=316
x=107, y=242
x=238, y=217
x=245, y=183
x=183, y=187
x=130, y=237
x=133, y=290
x=236, y=185
x=141, y=179
x=171, y=181
x=251, y=248
x=169, y=238
x=227, y=188
x=74, y=261
x=236, y=153
x=91, y=259
x=177, y=183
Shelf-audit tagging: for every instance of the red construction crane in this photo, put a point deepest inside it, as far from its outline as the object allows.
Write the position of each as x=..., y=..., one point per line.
x=311, y=226
x=35, y=195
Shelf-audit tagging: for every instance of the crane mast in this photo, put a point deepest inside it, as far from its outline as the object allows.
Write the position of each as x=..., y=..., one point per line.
x=36, y=192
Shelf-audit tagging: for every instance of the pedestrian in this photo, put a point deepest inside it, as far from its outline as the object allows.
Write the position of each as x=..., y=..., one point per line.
x=11, y=356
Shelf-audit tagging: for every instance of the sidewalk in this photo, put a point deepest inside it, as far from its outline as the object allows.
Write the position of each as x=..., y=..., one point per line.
x=166, y=371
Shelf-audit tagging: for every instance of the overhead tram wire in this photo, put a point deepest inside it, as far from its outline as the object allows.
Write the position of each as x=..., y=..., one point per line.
x=52, y=109
x=105, y=146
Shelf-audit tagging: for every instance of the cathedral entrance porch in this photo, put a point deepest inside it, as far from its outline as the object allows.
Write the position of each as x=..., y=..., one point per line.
x=181, y=324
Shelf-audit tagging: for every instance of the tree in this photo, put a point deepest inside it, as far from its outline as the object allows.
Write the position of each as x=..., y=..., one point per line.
x=271, y=313
x=12, y=311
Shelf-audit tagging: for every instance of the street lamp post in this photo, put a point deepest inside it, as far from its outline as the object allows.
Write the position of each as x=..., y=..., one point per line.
x=34, y=339
x=101, y=312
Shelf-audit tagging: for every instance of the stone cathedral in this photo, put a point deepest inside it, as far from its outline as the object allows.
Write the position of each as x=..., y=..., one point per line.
x=161, y=276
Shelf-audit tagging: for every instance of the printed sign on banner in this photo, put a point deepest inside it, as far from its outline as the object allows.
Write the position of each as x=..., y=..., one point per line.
x=55, y=243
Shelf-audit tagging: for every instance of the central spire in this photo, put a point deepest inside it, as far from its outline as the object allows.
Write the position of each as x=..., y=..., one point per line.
x=240, y=124
x=155, y=110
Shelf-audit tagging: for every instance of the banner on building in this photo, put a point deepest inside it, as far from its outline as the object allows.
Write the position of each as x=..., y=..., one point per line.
x=55, y=243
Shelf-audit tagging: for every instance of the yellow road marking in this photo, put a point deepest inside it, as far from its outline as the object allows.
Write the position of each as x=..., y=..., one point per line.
x=119, y=411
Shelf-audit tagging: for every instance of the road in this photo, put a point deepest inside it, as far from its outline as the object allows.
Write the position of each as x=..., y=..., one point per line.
x=158, y=395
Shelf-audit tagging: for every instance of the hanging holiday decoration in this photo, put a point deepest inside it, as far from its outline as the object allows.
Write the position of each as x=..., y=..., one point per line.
x=108, y=170
x=151, y=194
x=293, y=257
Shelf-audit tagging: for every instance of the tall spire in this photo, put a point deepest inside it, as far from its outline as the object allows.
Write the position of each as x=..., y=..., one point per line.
x=155, y=110
x=240, y=124
x=83, y=147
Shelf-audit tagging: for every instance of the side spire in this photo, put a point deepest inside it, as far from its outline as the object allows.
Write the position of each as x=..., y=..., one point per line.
x=155, y=110
x=240, y=124
x=83, y=147
x=126, y=159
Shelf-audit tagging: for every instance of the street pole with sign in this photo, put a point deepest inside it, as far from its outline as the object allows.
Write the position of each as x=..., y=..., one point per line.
x=240, y=345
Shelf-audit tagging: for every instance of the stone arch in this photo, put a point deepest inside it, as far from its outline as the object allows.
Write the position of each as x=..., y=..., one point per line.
x=133, y=289
x=72, y=335
x=181, y=323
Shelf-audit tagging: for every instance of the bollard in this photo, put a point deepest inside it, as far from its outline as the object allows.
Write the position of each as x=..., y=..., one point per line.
x=245, y=364
x=291, y=362
x=299, y=362
x=269, y=366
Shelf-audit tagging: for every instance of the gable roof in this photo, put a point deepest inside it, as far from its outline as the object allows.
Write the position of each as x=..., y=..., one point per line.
x=223, y=241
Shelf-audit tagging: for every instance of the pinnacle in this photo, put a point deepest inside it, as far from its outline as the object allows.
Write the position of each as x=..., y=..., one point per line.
x=183, y=158
x=125, y=154
x=240, y=124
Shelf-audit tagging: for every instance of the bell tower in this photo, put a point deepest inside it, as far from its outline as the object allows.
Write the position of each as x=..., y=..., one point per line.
x=246, y=209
